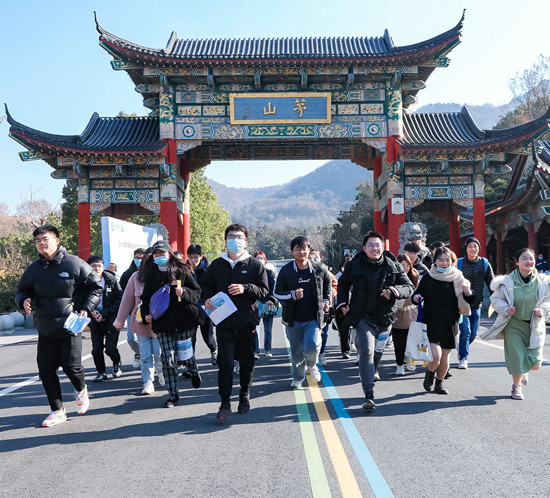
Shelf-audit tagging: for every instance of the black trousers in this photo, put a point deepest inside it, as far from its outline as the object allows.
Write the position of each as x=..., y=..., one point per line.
x=54, y=352
x=400, y=344
x=345, y=345
x=235, y=345
x=208, y=335
x=104, y=338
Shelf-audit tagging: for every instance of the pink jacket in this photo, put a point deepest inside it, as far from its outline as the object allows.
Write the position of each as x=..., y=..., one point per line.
x=128, y=306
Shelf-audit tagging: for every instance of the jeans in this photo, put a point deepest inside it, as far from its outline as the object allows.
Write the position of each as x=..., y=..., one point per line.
x=324, y=338
x=305, y=344
x=132, y=339
x=268, y=329
x=104, y=337
x=468, y=332
x=365, y=338
x=55, y=352
x=235, y=345
x=149, y=351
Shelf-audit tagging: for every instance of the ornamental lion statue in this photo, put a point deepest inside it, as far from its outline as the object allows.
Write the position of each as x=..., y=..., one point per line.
x=413, y=232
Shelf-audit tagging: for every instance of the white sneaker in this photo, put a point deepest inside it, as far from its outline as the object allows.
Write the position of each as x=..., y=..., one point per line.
x=322, y=360
x=376, y=376
x=82, y=400
x=525, y=379
x=357, y=359
x=296, y=384
x=160, y=376
x=136, y=362
x=55, y=417
x=315, y=374
x=400, y=370
x=148, y=388
x=268, y=354
x=516, y=392
x=463, y=364
x=352, y=347
x=410, y=366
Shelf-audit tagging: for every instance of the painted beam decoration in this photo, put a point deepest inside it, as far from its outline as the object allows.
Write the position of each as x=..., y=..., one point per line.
x=280, y=108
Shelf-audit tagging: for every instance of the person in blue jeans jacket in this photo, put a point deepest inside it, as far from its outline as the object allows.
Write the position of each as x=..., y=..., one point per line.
x=479, y=272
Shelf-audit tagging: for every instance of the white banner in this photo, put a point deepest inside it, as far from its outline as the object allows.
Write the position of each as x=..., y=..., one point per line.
x=121, y=239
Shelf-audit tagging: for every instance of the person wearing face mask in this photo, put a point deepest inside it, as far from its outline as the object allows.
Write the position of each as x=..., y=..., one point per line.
x=446, y=294
x=124, y=278
x=244, y=279
x=542, y=264
x=179, y=322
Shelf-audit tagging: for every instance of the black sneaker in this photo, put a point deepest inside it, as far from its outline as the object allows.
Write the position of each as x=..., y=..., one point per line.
x=100, y=377
x=369, y=403
x=171, y=401
x=224, y=411
x=117, y=369
x=214, y=357
x=244, y=405
x=196, y=380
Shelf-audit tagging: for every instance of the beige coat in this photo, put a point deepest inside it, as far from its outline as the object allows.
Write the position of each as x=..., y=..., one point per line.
x=128, y=306
x=503, y=298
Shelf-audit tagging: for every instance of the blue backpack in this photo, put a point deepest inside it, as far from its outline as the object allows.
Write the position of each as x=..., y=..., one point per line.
x=160, y=301
x=485, y=264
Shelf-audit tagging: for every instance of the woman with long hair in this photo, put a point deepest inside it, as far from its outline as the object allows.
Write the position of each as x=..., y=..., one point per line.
x=446, y=294
x=407, y=312
x=149, y=347
x=522, y=301
x=179, y=321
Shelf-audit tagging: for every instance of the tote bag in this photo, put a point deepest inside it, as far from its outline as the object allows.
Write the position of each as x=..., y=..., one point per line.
x=418, y=346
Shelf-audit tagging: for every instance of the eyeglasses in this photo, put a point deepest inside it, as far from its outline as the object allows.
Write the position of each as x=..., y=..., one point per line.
x=42, y=239
x=236, y=237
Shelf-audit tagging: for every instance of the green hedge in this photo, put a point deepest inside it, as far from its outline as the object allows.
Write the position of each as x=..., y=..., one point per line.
x=7, y=302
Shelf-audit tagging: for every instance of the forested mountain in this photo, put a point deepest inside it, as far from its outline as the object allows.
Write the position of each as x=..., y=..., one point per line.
x=314, y=199
x=486, y=116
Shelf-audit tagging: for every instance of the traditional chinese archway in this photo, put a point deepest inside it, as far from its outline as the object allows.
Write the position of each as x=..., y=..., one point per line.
x=246, y=99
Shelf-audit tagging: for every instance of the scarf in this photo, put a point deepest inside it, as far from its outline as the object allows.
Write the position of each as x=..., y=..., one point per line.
x=455, y=276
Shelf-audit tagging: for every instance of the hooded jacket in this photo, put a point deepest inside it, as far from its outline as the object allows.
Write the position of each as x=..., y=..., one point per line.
x=57, y=287
x=503, y=298
x=367, y=280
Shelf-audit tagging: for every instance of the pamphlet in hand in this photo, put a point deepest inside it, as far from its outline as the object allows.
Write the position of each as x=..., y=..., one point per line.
x=222, y=307
x=76, y=324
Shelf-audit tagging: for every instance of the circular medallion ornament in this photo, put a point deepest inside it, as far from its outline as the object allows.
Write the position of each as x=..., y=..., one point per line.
x=373, y=129
x=188, y=131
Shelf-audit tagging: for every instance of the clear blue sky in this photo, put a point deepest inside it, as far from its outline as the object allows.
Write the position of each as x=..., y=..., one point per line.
x=54, y=74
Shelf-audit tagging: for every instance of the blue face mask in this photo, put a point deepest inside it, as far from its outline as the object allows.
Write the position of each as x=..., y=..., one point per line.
x=161, y=260
x=235, y=245
x=137, y=262
x=443, y=270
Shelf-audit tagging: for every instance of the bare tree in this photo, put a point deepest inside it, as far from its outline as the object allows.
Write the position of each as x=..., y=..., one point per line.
x=33, y=212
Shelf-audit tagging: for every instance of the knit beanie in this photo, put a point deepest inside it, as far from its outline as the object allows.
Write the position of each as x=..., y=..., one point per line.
x=472, y=239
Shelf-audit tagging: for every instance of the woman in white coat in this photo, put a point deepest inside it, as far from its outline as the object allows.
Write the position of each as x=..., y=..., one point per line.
x=522, y=301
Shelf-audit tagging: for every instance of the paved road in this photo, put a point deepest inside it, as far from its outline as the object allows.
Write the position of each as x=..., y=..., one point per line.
x=312, y=442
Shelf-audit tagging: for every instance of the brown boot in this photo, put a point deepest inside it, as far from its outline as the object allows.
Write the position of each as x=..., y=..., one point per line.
x=429, y=380
x=439, y=387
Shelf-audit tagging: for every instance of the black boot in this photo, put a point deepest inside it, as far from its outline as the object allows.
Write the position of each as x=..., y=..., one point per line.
x=429, y=380
x=439, y=387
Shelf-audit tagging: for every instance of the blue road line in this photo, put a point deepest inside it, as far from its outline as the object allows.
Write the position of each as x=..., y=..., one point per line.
x=377, y=482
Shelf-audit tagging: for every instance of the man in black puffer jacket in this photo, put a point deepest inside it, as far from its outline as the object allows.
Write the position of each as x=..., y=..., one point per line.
x=56, y=284
x=378, y=280
x=244, y=279
x=104, y=335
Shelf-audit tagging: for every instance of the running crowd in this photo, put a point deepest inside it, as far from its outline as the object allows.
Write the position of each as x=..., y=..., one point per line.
x=372, y=301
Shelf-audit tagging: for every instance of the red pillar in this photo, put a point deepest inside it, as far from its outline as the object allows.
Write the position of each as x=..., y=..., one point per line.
x=500, y=254
x=186, y=228
x=394, y=220
x=377, y=171
x=480, y=230
x=84, y=238
x=532, y=237
x=454, y=232
x=169, y=208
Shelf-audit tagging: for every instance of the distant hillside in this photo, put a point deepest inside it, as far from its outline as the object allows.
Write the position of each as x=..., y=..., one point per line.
x=486, y=116
x=311, y=200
